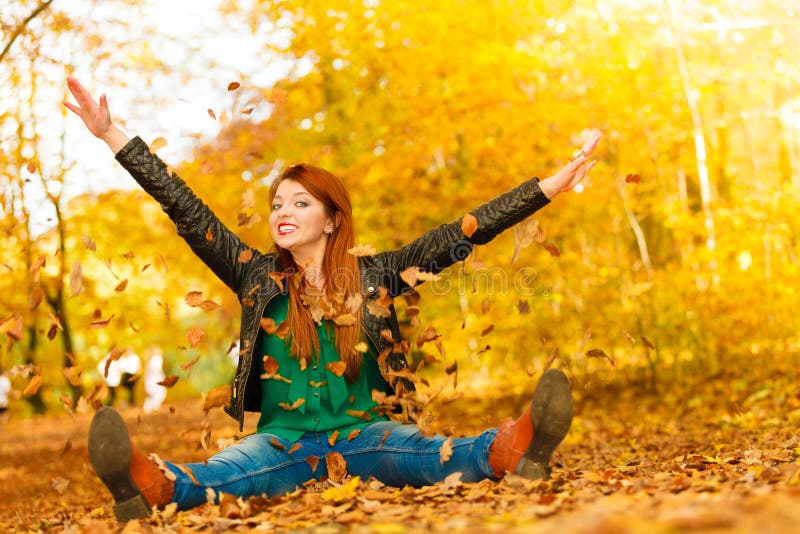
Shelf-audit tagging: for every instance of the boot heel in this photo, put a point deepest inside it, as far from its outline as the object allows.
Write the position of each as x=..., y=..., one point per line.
x=132, y=508
x=532, y=470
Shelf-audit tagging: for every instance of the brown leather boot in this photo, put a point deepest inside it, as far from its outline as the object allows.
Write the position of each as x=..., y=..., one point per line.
x=135, y=481
x=525, y=446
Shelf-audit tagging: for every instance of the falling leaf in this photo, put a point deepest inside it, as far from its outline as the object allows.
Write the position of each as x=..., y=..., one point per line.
x=245, y=255
x=648, y=343
x=233, y=86
x=523, y=307
x=550, y=359
x=361, y=346
x=31, y=167
x=248, y=111
x=209, y=235
x=268, y=325
x=133, y=327
x=217, y=397
x=446, y=451
x=35, y=298
x=632, y=178
x=187, y=366
x=337, y=466
x=208, y=305
x=229, y=505
x=524, y=232
x=295, y=405
x=552, y=249
x=360, y=414
x=469, y=224
x=76, y=279
x=122, y=285
x=157, y=144
x=427, y=277
x=362, y=250
x=74, y=375
x=487, y=330
x=282, y=330
x=599, y=353
x=169, y=381
x=101, y=323
x=212, y=114
x=346, y=319
x=33, y=386
x=353, y=434
x=313, y=461
x=277, y=444
x=270, y=364
x=144, y=268
x=383, y=440
x=294, y=448
x=128, y=255
x=409, y=275
x=333, y=438
x=194, y=335
x=89, y=243
x=193, y=298
x=337, y=368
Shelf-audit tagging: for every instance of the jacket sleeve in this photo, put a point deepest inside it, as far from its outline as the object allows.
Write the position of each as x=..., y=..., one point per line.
x=443, y=246
x=210, y=240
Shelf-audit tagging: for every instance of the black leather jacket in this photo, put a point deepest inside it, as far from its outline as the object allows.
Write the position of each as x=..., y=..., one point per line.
x=432, y=252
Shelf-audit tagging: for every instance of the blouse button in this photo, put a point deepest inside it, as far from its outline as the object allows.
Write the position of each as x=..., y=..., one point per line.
x=316, y=394
x=315, y=367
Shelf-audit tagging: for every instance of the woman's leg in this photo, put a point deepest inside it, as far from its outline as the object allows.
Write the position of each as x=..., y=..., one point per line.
x=253, y=466
x=399, y=454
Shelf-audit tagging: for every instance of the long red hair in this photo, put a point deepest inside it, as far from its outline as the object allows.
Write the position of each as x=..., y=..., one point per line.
x=340, y=268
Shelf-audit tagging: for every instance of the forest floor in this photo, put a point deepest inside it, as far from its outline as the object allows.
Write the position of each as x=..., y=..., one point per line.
x=722, y=456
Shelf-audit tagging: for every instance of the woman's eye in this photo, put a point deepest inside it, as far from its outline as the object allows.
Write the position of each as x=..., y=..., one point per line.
x=276, y=207
x=301, y=204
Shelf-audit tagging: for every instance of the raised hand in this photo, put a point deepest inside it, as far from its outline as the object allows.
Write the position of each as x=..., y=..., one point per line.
x=95, y=115
x=573, y=172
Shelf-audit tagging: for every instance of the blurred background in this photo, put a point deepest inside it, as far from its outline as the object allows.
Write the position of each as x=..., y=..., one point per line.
x=675, y=263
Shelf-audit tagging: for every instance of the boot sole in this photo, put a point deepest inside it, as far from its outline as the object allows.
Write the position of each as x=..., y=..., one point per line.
x=551, y=415
x=110, y=455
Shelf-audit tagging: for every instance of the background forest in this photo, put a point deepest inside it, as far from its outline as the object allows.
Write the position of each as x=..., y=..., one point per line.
x=678, y=258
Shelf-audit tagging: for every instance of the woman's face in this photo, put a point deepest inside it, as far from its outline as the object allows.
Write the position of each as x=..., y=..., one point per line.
x=298, y=221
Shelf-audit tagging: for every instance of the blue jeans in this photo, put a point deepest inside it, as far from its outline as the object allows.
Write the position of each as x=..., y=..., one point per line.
x=254, y=466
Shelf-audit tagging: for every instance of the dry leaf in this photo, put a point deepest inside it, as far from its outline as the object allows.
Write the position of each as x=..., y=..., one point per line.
x=157, y=144
x=193, y=298
x=270, y=365
x=122, y=285
x=229, y=505
x=446, y=451
x=523, y=307
x=346, y=319
x=648, y=343
x=632, y=178
x=313, y=461
x=74, y=375
x=360, y=414
x=268, y=325
x=233, y=86
x=194, y=335
x=59, y=484
x=337, y=466
x=89, y=243
x=362, y=250
x=33, y=386
x=209, y=235
x=245, y=255
x=333, y=438
x=277, y=444
x=337, y=368
x=101, y=323
x=353, y=434
x=216, y=397
x=168, y=381
x=294, y=448
x=469, y=224
x=290, y=407
x=550, y=359
x=487, y=330
x=76, y=279
x=212, y=114
x=208, y=305
x=35, y=298
x=599, y=353
x=31, y=166
x=187, y=366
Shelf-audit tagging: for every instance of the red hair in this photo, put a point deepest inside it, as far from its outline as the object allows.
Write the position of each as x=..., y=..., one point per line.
x=340, y=268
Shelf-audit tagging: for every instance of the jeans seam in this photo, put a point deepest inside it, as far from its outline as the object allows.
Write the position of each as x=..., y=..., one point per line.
x=250, y=474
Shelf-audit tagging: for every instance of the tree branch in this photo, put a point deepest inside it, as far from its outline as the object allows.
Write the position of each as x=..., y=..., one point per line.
x=21, y=27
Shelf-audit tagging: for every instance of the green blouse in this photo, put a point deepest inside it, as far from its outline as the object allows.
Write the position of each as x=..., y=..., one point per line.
x=330, y=402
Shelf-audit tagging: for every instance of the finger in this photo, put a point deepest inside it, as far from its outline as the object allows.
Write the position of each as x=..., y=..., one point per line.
x=104, y=103
x=590, y=165
x=591, y=143
x=72, y=108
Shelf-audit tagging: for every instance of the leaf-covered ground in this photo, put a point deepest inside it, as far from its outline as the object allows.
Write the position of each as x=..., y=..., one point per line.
x=722, y=457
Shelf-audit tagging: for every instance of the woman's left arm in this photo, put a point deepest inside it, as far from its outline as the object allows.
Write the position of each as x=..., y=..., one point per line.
x=443, y=246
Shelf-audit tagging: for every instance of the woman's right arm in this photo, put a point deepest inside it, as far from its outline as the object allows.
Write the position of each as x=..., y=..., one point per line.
x=212, y=241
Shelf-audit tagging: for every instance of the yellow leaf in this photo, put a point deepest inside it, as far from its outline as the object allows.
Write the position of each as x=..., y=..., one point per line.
x=345, y=492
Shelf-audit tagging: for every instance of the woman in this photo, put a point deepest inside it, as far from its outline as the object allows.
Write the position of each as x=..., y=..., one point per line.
x=321, y=355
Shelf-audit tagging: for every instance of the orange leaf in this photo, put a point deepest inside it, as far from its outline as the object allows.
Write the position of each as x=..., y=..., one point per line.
x=31, y=167
x=446, y=451
x=295, y=405
x=88, y=243
x=337, y=368
x=346, y=319
x=353, y=434
x=632, y=178
x=209, y=235
x=194, y=335
x=362, y=250
x=337, y=466
x=268, y=325
x=187, y=366
x=282, y=330
x=216, y=397
x=122, y=285
x=157, y=144
x=333, y=437
x=168, y=381
x=208, y=305
x=102, y=323
x=360, y=414
x=469, y=224
x=245, y=255
x=294, y=448
x=270, y=365
x=277, y=444
x=212, y=114
x=313, y=461
x=233, y=86
x=33, y=386
x=193, y=298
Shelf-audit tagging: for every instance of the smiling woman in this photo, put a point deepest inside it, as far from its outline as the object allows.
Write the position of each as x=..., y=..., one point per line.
x=321, y=352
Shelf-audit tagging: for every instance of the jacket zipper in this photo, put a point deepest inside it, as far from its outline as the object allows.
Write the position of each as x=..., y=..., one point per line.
x=252, y=349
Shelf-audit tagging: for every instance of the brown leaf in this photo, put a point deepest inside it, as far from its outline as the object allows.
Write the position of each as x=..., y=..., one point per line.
x=409, y=275
x=193, y=298
x=76, y=279
x=337, y=466
x=101, y=323
x=13, y=327
x=313, y=461
x=187, y=366
x=33, y=386
x=268, y=325
x=233, y=86
x=73, y=375
x=212, y=114
x=353, y=434
x=599, y=353
x=552, y=249
x=632, y=178
x=122, y=285
x=209, y=235
x=157, y=144
x=35, y=298
x=487, y=330
x=133, y=327
x=524, y=232
x=229, y=504
x=31, y=166
x=383, y=440
x=277, y=444
x=130, y=254
x=523, y=307
x=194, y=335
x=295, y=405
x=216, y=397
x=89, y=243
x=446, y=451
x=144, y=267
x=168, y=381
x=208, y=305
x=550, y=359
x=333, y=437
x=648, y=343
x=337, y=368
x=294, y=448
x=469, y=224
x=282, y=330
x=245, y=255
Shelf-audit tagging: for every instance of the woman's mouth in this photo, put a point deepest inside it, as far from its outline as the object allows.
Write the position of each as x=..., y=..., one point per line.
x=286, y=228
